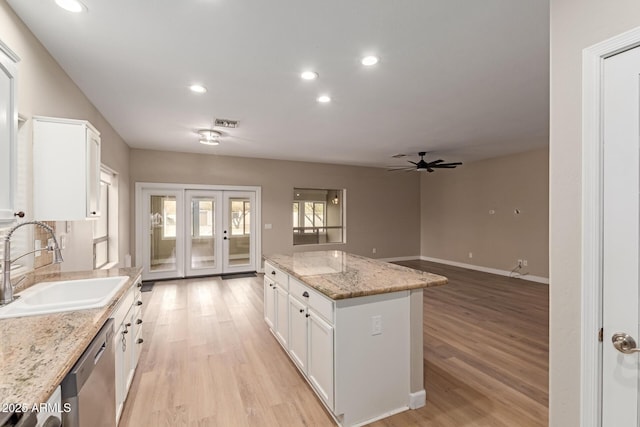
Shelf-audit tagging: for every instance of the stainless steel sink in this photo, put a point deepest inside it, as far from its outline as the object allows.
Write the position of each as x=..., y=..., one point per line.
x=66, y=295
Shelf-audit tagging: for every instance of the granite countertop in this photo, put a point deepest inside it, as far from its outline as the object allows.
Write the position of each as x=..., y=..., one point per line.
x=36, y=352
x=340, y=275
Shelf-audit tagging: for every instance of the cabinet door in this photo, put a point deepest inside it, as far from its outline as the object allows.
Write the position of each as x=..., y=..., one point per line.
x=298, y=332
x=320, y=363
x=8, y=135
x=269, y=303
x=93, y=174
x=282, y=315
x=120, y=350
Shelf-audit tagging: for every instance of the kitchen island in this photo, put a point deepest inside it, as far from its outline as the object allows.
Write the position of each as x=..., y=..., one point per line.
x=353, y=327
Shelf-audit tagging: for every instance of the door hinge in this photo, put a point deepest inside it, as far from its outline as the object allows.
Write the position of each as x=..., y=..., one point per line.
x=600, y=334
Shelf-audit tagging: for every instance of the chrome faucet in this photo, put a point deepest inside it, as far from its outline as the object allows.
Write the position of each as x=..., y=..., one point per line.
x=6, y=290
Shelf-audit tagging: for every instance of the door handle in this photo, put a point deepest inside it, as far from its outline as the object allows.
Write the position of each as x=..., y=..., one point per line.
x=225, y=237
x=624, y=343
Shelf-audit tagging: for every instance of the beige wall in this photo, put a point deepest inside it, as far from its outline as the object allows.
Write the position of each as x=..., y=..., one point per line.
x=455, y=217
x=44, y=89
x=575, y=25
x=383, y=209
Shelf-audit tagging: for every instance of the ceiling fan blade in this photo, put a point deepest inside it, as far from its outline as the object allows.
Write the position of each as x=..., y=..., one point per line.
x=394, y=169
x=412, y=162
x=435, y=162
x=429, y=169
x=448, y=164
x=444, y=166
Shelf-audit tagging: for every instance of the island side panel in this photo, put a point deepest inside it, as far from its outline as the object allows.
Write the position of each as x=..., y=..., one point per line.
x=372, y=378
x=418, y=395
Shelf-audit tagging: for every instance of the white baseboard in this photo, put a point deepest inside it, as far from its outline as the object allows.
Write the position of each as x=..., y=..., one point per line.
x=417, y=399
x=529, y=277
x=399, y=258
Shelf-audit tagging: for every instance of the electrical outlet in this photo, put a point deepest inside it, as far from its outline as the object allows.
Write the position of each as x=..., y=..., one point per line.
x=376, y=325
x=373, y=251
x=519, y=263
x=36, y=246
x=525, y=262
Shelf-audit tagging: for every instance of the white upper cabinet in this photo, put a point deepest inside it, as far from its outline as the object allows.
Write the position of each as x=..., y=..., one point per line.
x=8, y=133
x=66, y=169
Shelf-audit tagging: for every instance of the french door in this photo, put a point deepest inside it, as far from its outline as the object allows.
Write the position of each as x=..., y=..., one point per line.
x=197, y=232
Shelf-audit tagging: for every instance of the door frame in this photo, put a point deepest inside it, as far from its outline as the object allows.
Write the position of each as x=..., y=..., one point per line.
x=139, y=186
x=592, y=219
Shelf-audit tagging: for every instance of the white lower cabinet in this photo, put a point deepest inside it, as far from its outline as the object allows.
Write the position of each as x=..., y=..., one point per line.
x=298, y=336
x=269, y=303
x=282, y=315
x=320, y=357
x=127, y=342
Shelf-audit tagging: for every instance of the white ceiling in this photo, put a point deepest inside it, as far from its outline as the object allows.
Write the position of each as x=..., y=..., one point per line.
x=465, y=79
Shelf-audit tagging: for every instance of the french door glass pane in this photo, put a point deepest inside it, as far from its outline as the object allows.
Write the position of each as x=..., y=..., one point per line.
x=239, y=239
x=203, y=232
x=163, y=233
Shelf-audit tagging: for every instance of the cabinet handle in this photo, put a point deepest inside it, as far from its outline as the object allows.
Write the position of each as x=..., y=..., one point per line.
x=271, y=285
x=302, y=310
x=140, y=340
x=139, y=284
x=138, y=321
x=93, y=213
x=305, y=294
x=273, y=272
x=128, y=324
x=19, y=214
x=307, y=315
x=139, y=303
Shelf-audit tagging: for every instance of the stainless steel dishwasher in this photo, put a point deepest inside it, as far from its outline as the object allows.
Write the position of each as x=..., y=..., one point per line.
x=90, y=385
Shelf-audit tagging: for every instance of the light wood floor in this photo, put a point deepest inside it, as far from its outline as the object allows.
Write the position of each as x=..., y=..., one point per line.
x=209, y=360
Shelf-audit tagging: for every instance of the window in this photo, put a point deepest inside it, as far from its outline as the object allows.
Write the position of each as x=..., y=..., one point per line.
x=105, y=227
x=101, y=229
x=317, y=216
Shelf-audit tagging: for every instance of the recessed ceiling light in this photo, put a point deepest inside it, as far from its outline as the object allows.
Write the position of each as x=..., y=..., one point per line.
x=370, y=60
x=324, y=99
x=209, y=142
x=309, y=75
x=198, y=88
x=71, y=5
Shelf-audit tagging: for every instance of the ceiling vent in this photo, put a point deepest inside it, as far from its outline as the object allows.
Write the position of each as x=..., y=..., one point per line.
x=225, y=123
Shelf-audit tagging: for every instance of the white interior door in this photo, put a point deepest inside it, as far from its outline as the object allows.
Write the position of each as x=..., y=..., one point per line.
x=621, y=246
x=162, y=236
x=203, y=233
x=239, y=231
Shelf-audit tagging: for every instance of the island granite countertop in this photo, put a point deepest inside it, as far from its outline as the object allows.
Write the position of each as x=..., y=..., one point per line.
x=36, y=352
x=340, y=275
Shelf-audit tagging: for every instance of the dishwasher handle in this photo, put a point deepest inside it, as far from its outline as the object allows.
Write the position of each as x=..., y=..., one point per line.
x=100, y=352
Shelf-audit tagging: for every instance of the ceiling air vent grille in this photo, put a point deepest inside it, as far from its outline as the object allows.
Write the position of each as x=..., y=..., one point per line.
x=225, y=123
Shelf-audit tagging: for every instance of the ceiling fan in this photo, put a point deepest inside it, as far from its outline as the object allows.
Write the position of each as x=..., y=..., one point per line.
x=423, y=165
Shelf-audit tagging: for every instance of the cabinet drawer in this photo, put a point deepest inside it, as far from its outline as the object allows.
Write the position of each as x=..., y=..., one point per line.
x=276, y=275
x=124, y=305
x=319, y=303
